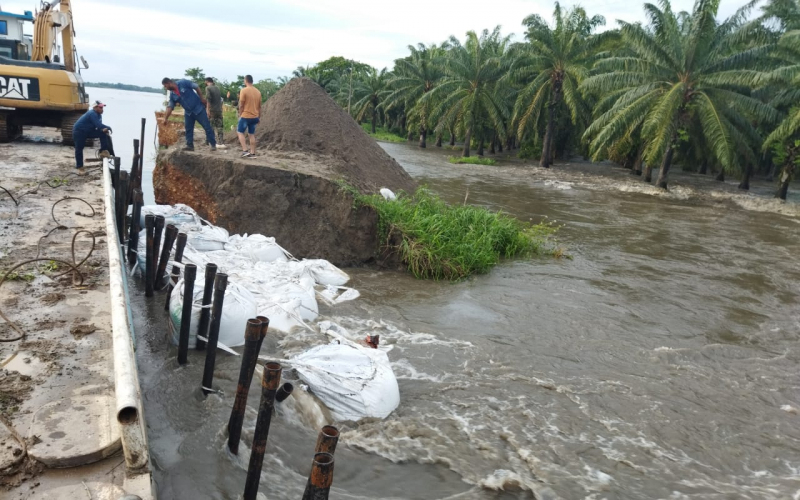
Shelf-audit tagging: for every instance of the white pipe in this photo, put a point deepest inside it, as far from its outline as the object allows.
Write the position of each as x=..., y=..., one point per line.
x=126, y=380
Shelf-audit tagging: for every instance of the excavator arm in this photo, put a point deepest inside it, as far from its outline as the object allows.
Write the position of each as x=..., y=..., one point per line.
x=47, y=25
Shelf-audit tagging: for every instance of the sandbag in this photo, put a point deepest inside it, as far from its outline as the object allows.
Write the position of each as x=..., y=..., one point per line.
x=239, y=306
x=180, y=215
x=257, y=247
x=354, y=382
x=206, y=238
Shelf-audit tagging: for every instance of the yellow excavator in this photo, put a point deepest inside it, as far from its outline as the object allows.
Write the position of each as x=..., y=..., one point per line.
x=40, y=81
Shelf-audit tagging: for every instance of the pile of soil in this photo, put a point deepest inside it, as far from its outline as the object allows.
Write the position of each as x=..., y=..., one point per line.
x=302, y=118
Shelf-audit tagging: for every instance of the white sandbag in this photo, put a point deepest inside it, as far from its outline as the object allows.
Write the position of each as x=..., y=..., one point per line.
x=206, y=238
x=180, y=215
x=258, y=247
x=284, y=315
x=239, y=306
x=353, y=381
x=325, y=273
x=388, y=194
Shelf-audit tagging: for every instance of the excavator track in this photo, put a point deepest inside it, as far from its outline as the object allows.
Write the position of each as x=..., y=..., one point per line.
x=67, y=122
x=8, y=131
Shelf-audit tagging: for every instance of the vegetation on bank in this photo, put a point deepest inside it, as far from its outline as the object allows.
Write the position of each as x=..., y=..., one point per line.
x=474, y=160
x=124, y=86
x=451, y=242
x=382, y=134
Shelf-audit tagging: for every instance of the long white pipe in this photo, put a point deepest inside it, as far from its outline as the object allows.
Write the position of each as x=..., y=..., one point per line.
x=126, y=379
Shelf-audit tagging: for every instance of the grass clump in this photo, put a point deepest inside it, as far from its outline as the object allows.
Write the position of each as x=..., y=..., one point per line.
x=440, y=241
x=474, y=160
x=382, y=134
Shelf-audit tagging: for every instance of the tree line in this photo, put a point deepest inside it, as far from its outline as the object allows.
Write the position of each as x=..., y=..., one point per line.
x=712, y=95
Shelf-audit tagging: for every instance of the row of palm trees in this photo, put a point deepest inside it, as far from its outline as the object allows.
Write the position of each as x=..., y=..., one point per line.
x=684, y=87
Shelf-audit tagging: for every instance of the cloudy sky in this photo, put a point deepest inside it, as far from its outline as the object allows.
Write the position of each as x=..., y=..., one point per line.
x=142, y=41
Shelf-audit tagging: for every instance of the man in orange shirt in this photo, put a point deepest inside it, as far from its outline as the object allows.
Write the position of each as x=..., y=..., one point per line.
x=249, y=116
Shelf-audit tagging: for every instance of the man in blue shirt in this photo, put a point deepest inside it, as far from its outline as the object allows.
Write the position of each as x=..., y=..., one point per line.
x=89, y=126
x=187, y=94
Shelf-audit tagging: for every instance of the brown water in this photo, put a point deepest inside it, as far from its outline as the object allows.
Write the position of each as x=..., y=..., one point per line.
x=660, y=362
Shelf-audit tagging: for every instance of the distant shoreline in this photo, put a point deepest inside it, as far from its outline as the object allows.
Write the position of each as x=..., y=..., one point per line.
x=124, y=86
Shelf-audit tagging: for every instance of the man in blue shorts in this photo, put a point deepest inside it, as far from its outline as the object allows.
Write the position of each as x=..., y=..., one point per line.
x=187, y=94
x=249, y=116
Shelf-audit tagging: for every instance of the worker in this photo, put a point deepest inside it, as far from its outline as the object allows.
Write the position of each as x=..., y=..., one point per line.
x=214, y=109
x=89, y=126
x=249, y=116
x=187, y=94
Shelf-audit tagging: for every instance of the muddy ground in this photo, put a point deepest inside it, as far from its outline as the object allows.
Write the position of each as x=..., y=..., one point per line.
x=65, y=324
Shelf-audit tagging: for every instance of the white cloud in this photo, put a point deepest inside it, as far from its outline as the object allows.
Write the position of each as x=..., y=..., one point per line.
x=140, y=43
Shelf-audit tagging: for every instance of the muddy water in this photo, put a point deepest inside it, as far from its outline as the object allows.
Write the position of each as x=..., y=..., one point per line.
x=660, y=362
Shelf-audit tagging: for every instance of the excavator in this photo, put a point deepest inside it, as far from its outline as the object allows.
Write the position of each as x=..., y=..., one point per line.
x=37, y=86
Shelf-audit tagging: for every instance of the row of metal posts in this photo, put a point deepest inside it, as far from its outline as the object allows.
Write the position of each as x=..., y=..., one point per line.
x=128, y=191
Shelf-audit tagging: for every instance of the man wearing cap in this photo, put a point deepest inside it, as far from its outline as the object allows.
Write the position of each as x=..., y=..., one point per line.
x=89, y=126
x=187, y=94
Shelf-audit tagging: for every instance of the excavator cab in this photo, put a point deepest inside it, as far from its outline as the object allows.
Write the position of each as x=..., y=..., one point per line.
x=40, y=83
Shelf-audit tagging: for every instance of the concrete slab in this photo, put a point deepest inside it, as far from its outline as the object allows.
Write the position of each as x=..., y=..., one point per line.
x=75, y=431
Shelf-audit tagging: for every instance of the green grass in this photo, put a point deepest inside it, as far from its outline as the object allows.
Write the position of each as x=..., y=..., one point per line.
x=440, y=241
x=382, y=134
x=474, y=160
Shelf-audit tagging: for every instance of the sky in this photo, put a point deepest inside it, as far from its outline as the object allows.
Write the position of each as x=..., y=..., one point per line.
x=143, y=41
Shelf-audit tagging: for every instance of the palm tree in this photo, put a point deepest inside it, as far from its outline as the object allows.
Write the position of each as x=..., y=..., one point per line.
x=785, y=139
x=415, y=76
x=683, y=69
x=465, y=94
x=553, y=62
x=368, y=93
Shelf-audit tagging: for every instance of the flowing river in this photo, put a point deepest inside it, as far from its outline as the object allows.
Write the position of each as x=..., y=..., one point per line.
x=661, y=361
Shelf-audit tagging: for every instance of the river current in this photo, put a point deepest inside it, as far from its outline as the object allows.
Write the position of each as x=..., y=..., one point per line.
x=659, y=361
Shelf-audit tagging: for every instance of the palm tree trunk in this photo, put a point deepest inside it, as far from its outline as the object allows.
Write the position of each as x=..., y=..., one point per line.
x=452, y=138
x=703, y=170
x=548, y=135
x=647, y=174
x=423, y=134
x=745, y=183
x=499, y=145
x=665, y=164
x=786, y=177
x=637, y=163
x=721, y=175
x=410, y=136
x=439, y=140
x=374, y=118
x=480, y=145
x=467, y=138
x=492, y=149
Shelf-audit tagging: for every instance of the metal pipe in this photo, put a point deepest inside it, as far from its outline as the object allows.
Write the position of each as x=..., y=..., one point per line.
x=249, y=357
x=321, y=478
x=264, y=327
x=220, y=284
x=159, y=229
x=189, y=274
x=133, y=238
x=169, y=239
x=269, y=385
x=149, y=223
x=327, y=439
x=122, y=205
x=126, y=381
x=116, y=172
x=284, y=392
x=141, y=155
x=176, y=271
x=205, y=313
x=135, y=166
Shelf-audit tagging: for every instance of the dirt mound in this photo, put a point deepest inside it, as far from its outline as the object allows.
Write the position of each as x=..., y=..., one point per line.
x=302, y=118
